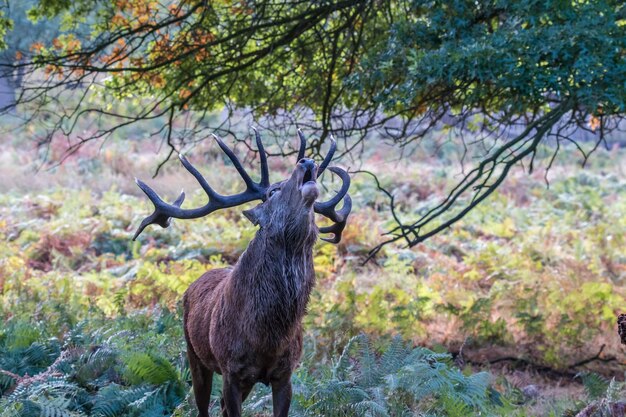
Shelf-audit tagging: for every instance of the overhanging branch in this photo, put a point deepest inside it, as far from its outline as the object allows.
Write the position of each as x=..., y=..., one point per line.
x=494, y=168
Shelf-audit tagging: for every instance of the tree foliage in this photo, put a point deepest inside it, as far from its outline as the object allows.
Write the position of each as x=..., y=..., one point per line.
x=508, y=76
x=18, y=33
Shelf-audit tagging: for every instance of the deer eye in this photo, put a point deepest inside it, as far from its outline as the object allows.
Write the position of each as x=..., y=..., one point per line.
x=274, y=191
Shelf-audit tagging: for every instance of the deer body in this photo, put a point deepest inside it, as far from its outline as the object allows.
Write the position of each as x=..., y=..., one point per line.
x=245, y=322
x=251, y=317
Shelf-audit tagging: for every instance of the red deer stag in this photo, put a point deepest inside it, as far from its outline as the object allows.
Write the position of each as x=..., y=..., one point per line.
x=245, y=322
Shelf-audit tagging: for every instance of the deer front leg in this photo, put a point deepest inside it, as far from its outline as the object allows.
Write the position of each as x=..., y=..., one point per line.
x=281, y=396
x=231, y=398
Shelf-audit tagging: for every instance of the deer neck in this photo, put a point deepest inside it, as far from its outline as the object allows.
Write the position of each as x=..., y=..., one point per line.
x=270, y=262
x=271, y=283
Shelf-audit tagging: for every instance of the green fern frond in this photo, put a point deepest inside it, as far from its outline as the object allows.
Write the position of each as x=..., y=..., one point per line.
x=473, y=390
x=337, y=396
x=343, y=364
x=145, y=367
x=615, y=390
x=394, y=356
x=595, y=385
x=368, y=374
x=452, y=406
x=94, y=363
x=113, y=399
x=57, y=407
x=20, y=335
x=368, y=408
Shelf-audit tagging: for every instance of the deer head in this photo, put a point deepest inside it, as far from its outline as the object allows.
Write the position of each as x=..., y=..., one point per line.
x=287, y=207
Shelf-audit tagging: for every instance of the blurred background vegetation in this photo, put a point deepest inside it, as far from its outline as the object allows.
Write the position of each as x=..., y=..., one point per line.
x=506, y=307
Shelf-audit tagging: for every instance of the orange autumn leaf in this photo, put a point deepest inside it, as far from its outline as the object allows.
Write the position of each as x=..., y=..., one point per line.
x=122, y=4
x=594, y=122
x=73, y=45
x=175, y=10
x=36, y=47
x=157, y=81
x=119, y=20
x=51, y=69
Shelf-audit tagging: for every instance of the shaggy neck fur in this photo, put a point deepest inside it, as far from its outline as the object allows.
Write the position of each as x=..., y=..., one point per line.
x=273, y=280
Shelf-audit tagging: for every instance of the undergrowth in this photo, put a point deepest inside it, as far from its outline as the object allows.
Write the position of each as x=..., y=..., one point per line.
x=134, y=366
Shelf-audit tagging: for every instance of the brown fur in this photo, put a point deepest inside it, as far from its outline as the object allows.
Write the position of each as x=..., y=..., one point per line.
x=245, y=323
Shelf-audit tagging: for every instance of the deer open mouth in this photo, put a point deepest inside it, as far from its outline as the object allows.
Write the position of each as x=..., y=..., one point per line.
x=308, y=187
x=308, y=176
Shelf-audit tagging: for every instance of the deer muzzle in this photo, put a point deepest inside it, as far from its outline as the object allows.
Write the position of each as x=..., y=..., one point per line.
x=307, y=175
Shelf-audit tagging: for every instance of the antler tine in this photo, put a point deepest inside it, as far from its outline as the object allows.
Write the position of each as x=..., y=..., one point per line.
x=265, y=172
x=327, y=208
x=163, y=212
x=302, y=145
x=203, y=183
x=329, y=156
x=158, y=216
x=233, y=158
x=337, y=228
x=342, y=192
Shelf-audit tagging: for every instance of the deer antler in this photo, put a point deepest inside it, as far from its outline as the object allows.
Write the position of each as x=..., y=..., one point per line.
x=302, y=145
x=163, y=212
x=328, y=208
x=327, y=159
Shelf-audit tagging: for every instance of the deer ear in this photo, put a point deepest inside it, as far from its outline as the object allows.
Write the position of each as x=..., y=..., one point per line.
x=255, y=215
